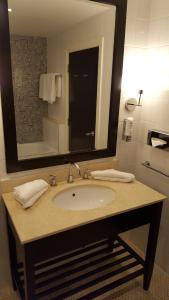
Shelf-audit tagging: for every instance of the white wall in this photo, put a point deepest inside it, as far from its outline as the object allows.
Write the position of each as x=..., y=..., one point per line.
x=133, y=76
x=81, y=36
x=155, y=115
x=147, y=62
x=51, y=133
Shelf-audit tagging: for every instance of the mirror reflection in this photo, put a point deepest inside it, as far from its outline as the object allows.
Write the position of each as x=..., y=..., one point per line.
x=62, y=55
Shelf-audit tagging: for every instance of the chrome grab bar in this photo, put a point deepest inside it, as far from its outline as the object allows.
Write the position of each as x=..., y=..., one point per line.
x=148, y=165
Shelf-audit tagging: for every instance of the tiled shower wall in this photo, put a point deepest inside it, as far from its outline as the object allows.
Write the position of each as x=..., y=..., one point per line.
x=29, y=60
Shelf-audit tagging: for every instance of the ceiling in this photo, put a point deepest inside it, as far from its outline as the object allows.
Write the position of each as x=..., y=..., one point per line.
x=46, y=18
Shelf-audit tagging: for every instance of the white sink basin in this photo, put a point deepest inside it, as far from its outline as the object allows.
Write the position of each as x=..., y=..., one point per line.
x=84, y=197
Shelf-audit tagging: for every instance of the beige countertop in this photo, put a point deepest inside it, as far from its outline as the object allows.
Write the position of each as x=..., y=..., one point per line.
x=45, y=219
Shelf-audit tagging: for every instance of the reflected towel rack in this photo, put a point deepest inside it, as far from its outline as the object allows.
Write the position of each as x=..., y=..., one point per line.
x=148, y=165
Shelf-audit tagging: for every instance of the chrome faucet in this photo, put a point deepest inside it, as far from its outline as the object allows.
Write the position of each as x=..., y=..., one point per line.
x=78, y=168
x=87, y=174
x=70, y=178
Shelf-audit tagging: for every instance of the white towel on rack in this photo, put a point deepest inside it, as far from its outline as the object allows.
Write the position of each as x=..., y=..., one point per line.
x=50, y=87
x=58, y=86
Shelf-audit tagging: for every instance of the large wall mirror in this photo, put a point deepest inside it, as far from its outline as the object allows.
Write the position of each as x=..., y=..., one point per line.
x=61, y=66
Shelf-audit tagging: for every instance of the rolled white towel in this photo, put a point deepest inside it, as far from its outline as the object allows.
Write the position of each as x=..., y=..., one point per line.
x=28, y=193
x=112, y=175
x=30, y=202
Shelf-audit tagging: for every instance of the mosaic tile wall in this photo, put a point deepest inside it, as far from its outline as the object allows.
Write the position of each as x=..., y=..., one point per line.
x=29, y=60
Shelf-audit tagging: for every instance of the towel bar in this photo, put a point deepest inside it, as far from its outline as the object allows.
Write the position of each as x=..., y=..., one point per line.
x=148, y=165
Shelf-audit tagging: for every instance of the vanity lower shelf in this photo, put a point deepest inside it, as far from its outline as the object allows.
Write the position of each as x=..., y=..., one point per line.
x=86, y=261
x=85, y=273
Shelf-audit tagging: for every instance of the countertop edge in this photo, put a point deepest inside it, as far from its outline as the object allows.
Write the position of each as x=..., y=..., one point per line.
x=83, y=224
x=160, y=198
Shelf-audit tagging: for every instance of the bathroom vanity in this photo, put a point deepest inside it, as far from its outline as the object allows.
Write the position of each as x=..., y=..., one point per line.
x=79, y=253
x=63, y=252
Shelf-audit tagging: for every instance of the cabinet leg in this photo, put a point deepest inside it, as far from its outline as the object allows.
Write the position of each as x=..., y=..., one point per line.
x=111, y=243
x=29, y=275
x=152, y=245
x=12, y=255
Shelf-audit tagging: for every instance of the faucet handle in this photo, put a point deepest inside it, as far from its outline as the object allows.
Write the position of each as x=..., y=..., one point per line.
x=87, y=174
x=52, y=180
x=70, y=178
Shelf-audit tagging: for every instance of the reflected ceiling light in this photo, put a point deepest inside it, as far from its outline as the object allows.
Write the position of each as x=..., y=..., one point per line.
x=10, y=9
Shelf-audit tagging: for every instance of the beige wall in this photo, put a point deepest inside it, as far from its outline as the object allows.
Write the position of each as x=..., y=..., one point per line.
x=86, y=34
x=155, y=115
x=134, y=71
x=146, y=65
x=133, y=76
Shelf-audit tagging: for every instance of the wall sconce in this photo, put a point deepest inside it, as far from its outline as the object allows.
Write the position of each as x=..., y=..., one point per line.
x=132, y=103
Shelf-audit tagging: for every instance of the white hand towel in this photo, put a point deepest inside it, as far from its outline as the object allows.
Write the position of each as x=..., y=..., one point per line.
x=30, y=202
x=112, y=175
x=25, y=192
x=112, y=179
x=58, y=86
x=50, y=87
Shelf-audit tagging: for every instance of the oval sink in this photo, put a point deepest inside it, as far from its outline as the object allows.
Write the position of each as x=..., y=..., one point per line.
x=84, y=197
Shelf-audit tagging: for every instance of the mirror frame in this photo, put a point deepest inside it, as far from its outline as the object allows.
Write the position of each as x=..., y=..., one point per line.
x=12, y=162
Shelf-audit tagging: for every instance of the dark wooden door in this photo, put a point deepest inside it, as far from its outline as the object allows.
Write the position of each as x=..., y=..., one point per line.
x=83, y=75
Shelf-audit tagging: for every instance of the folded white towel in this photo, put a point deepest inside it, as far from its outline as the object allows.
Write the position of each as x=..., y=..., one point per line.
x=58, y=86
x=112, y=179
x=29, y=192
x=50, y=87
x=112, y=175
x=34, y=198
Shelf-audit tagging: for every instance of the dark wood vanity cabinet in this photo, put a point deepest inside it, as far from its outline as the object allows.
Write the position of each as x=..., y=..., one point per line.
x=77, y=260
